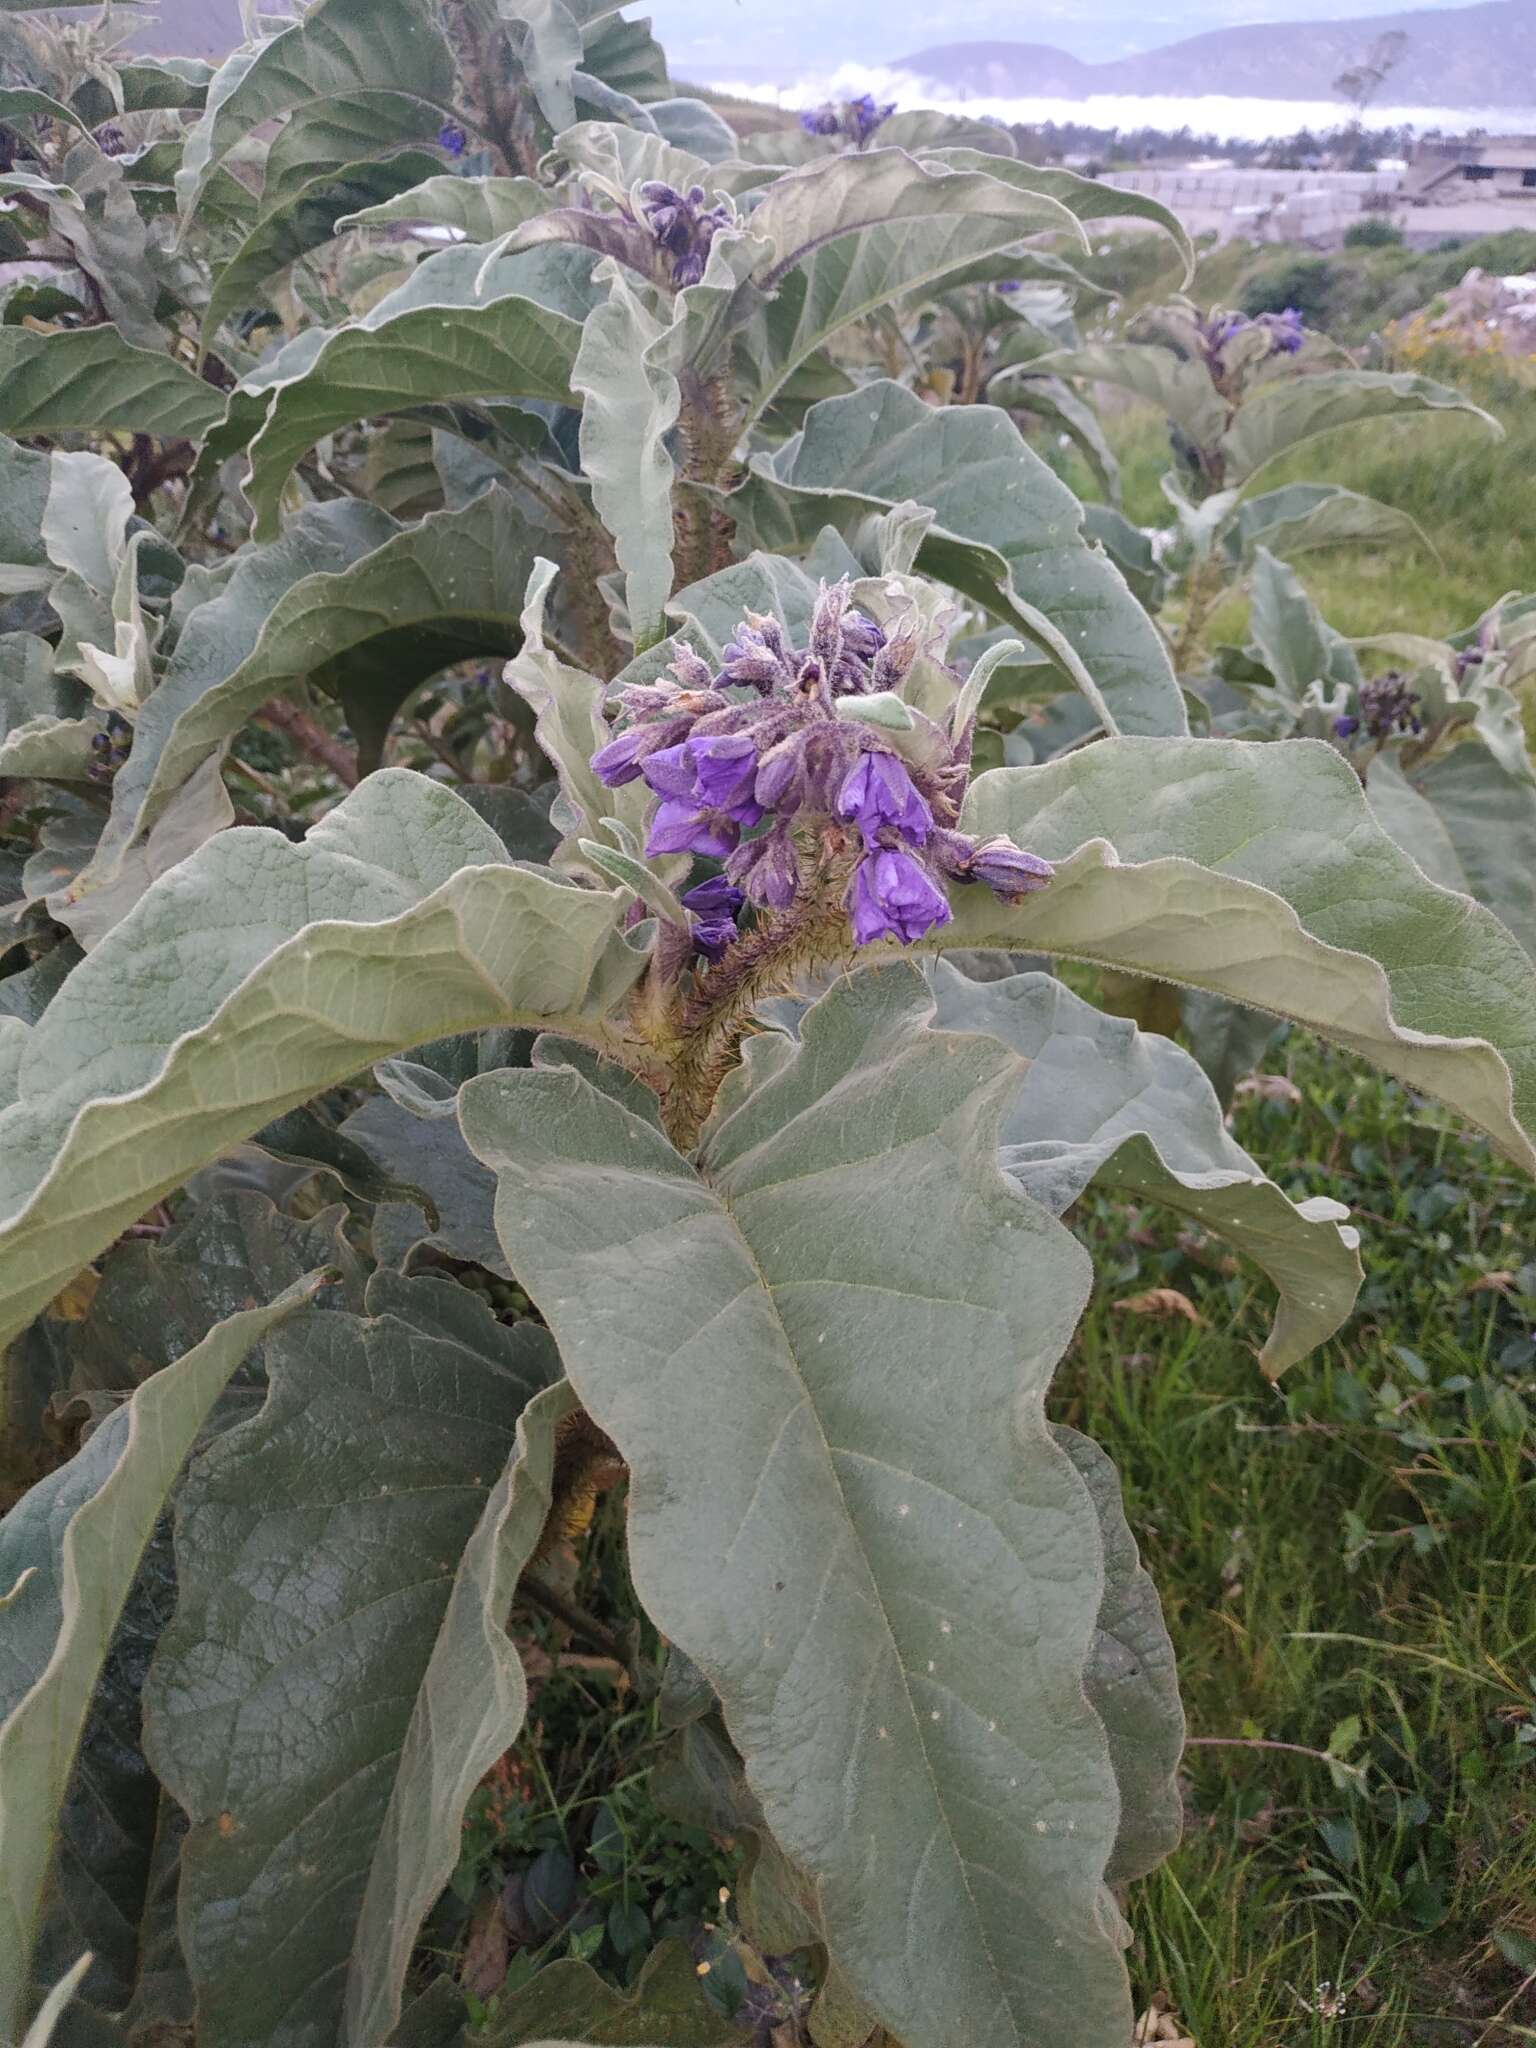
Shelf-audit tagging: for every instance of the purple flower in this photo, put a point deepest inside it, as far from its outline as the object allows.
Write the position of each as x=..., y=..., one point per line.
x=680, y=827
x=862, y=638
x=624, y=759
x=726, y=767
x=670, y=772
x=682, y=225
x=767, y=869
x=1007, y=870
x=1345, y=728
x=878, y=791
x=714, y=905
x=452, y=138
x=1285, y=330
x=821, y=120
x=893, y=896
x=861, y=117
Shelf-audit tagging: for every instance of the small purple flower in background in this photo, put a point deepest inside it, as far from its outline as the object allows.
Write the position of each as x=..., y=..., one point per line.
x=761, y=742
x=1285, y=330
x=855, y=120
x=110, y=140
x=1387, y=707
x=452, y=138
x=893, y=896
x=682, y=225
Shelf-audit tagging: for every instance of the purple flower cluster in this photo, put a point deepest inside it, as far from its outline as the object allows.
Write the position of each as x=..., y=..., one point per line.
x=452, y=138
x=1387, y=706
x=856, y=120
x=1286, y=332
x=682, y=225
x=752, y=766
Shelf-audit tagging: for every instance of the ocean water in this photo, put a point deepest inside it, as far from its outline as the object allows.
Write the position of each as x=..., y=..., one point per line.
x=1208, y=113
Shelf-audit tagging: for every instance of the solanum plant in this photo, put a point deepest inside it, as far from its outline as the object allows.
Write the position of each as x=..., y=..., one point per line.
x=656, y=1010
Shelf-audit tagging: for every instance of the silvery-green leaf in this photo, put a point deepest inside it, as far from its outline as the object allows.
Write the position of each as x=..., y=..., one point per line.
x=1180, y=389
x=1227, y=1039
x=398, y=920
x=855, y=1557
x=428, y=1151
x=424, y=344
x=45, y=720
x=303, y=222
x=1300, y=518
x=480, y=208
x=198, y=809
x=85, y=521
x=1469, y=824
x=337, y=1677
x=622, y=55
x=1087, y=199
x=550, y=51
x=666, y=2003
x=695, y=126
x=1297, y=645
x=630, y=406
x=348, y=594
x=68, y=1555
x=1130, y=1679
x=1105, y=1102
x=843, y=195
x=616, y=158
x=1289, y=411
x=569, y=726
x=852, y=276
x=323, y=134
x=1258, y=871
x=108, y=238
x=339, y=49
x=36, y=187
x=1052, y=400
x=1008, y=532
x=1131, y=550
x=91, y=379
x=18, y=100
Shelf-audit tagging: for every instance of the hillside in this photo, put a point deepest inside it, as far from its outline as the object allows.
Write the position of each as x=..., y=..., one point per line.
x=186, y=28
x=1480, y=56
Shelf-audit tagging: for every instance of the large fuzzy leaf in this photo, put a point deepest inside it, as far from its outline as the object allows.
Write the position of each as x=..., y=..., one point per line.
x=340, y=49
x=1298, y=519
x=1258, y=871
x=69, y=1553
x=430, y=342
x=1087, y=199
x=92, y=379
x=823, y=1349
x=256, y=974
x=629, y=406
x=1008, y=533
x=1105, y=1102
x=303, y=222
x=834, y=275
x=44, y=726
x=480, y=208
x=1469, y=824
x=344, y=128
x=1288, y=411
x=337, y=1676
x=1182, y=390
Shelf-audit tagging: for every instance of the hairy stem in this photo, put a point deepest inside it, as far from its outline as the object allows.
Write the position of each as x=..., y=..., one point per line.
x=767, y=961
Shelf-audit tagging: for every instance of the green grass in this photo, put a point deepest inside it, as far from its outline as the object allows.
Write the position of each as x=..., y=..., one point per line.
x=1347, y=1559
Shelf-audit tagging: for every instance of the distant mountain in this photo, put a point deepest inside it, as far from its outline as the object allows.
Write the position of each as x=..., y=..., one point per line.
x=1482, y=56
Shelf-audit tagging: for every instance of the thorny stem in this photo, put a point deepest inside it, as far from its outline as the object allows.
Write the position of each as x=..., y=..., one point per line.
x=1203, y=592
x=713, y=1024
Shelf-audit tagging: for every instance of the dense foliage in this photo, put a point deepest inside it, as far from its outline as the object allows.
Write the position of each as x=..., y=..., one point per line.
x=554, y=727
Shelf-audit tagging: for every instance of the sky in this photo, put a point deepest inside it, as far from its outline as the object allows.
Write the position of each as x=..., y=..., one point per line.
x=788, y=38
